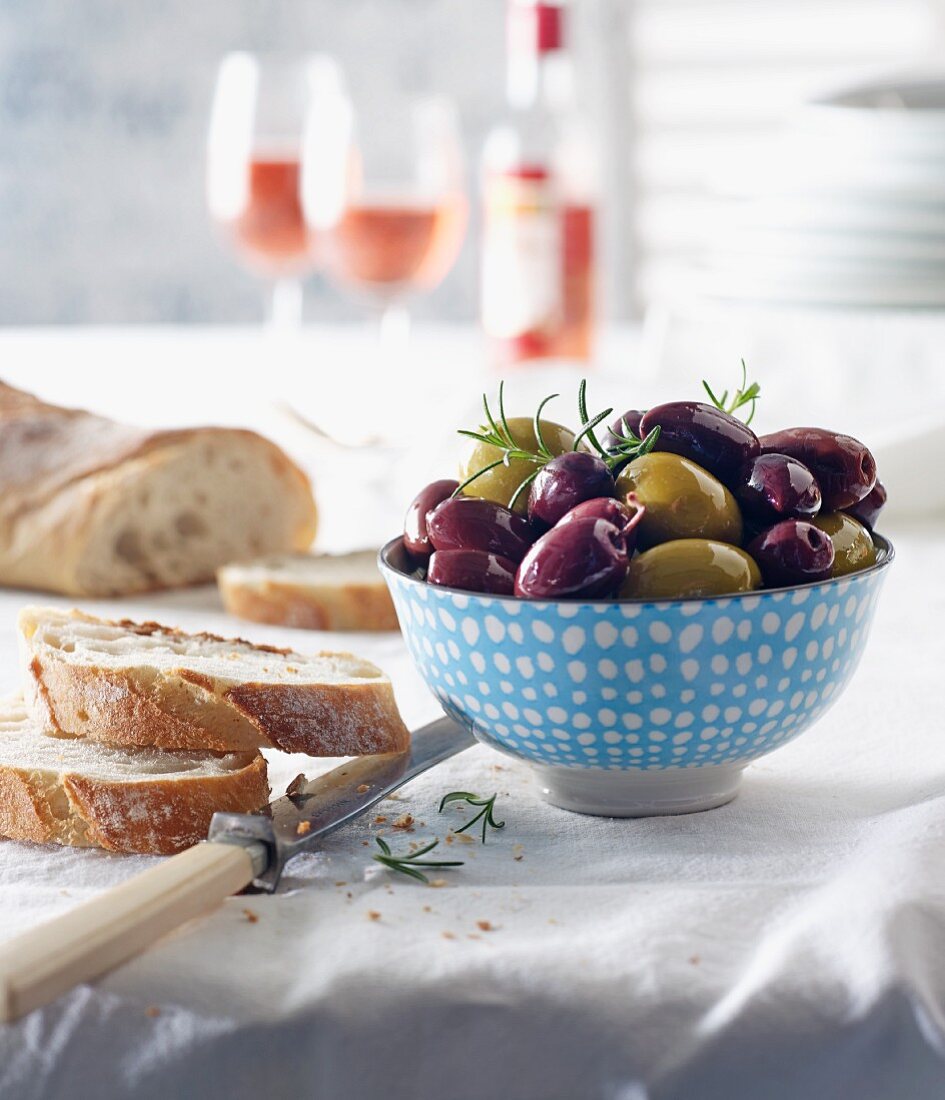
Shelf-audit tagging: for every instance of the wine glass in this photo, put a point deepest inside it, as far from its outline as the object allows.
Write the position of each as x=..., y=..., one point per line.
x=254, y=167
x=383, y=189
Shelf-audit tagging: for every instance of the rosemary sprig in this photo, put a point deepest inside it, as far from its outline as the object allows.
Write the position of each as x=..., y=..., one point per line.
x=629, y=444
x=408, y=864
x=495, y=432
x=743, y=395
x=486, y=814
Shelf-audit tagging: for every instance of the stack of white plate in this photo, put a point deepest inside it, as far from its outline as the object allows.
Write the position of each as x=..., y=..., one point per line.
x=847, y=210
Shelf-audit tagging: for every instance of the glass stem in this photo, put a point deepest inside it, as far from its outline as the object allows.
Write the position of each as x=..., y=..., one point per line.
x=285, y=304
x=394, y=327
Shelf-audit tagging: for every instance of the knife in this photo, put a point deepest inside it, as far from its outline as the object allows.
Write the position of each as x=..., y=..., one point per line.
x=241, y=849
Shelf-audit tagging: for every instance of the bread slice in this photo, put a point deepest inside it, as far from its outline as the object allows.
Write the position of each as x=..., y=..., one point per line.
x=131, y=683
x=125, y=800
x=311, y=591
x=92, y=507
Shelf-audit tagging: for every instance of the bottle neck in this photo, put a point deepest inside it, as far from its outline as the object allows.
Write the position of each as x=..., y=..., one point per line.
x=539, y=79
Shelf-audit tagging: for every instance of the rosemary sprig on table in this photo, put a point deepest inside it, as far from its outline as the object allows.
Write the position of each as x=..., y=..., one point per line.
x=486, y=814
x=408, y=864
x=743, y=395
x=497, y=433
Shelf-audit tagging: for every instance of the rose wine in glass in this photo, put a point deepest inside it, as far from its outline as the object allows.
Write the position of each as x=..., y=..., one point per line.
x=383, y=189
x=254, y=168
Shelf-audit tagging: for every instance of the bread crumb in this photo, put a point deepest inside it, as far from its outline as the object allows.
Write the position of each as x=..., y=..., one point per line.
x=380, y=819
x=518, y=850
x=485, y=926
x=303, y=827
x=363, y=788
x=473, y=936
x=551, y=920
x=251, y=916
x=341, y=883
x=365, y=843
x=152, y=1010
x=465, y=838
x=428, y=908
x=372, y=914
x=448, y=935
x=349, y=895
x=695, y=960
x=296, y=785
x=449, y=838
x=403, y=822
x=436, y=883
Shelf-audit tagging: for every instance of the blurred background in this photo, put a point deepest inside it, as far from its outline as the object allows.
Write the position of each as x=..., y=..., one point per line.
x=652, y=188
x=104, y=109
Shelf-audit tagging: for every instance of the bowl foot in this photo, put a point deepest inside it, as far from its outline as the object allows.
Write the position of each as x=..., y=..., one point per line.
x=639, y=793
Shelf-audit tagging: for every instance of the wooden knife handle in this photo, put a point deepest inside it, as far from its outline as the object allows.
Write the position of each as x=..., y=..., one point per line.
x=40, y=965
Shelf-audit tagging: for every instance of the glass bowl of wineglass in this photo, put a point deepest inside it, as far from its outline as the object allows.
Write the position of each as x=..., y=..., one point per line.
x=254, y=166
x=383, y=188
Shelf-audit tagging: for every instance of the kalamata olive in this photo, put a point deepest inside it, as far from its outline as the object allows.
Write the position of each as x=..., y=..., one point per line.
x=624, y=515
x=416, y=538
x=564, y=482
x=793, y=551
x=844, y=468
x=853, y=545
x=500, y=483
x=774, y=486
x=682, y=500
x=867, y=510
x=471, y=523
x=630, y=419
x=689, y=568
x=706, y=435
x=585, y=557
x=473, y=571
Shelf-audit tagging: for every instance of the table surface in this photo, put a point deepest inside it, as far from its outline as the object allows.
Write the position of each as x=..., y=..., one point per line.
x=789, y=944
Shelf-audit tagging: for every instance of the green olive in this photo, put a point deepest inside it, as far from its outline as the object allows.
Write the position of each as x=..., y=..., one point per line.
x=500, y=483
x=853, y=547
x=683, y=501
x=688, y=568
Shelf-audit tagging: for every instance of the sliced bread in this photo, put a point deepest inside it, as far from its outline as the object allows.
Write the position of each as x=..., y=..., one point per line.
x=128, y=683
x=125, y=800
x=311, y=591
x=92, y=507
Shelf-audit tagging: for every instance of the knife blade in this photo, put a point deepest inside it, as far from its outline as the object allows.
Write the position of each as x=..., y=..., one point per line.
x=89, y=940
x=311, y=809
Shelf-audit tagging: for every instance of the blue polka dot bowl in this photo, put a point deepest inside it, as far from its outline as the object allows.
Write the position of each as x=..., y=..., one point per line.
x=627, y=708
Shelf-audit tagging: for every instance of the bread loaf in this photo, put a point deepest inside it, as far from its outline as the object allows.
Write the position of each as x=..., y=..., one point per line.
x=131, y=683
x=126, y=800
x=311, y=591
x=92, y=507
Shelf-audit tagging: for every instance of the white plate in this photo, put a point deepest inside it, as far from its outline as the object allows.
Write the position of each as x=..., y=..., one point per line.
x=845, y=248
x=840, y=213
x=801, y=285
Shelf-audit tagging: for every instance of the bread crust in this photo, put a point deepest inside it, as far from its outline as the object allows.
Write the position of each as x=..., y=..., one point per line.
x=66, y=476
x=354, y=607
x=152, y=817
x=179, y=709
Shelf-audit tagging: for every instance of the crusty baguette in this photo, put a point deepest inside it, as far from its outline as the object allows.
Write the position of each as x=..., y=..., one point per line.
x=311, y=591
x=92, y=507
x=126, y=800
x=131, y=683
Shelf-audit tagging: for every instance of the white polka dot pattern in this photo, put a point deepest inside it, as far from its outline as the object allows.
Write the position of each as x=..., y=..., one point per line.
x=638, y=686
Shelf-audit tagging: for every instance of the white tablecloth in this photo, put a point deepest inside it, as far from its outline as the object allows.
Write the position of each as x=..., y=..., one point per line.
x=789, y=945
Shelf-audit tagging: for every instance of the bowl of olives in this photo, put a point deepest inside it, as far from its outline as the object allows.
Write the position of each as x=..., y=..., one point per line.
x=640, y=610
